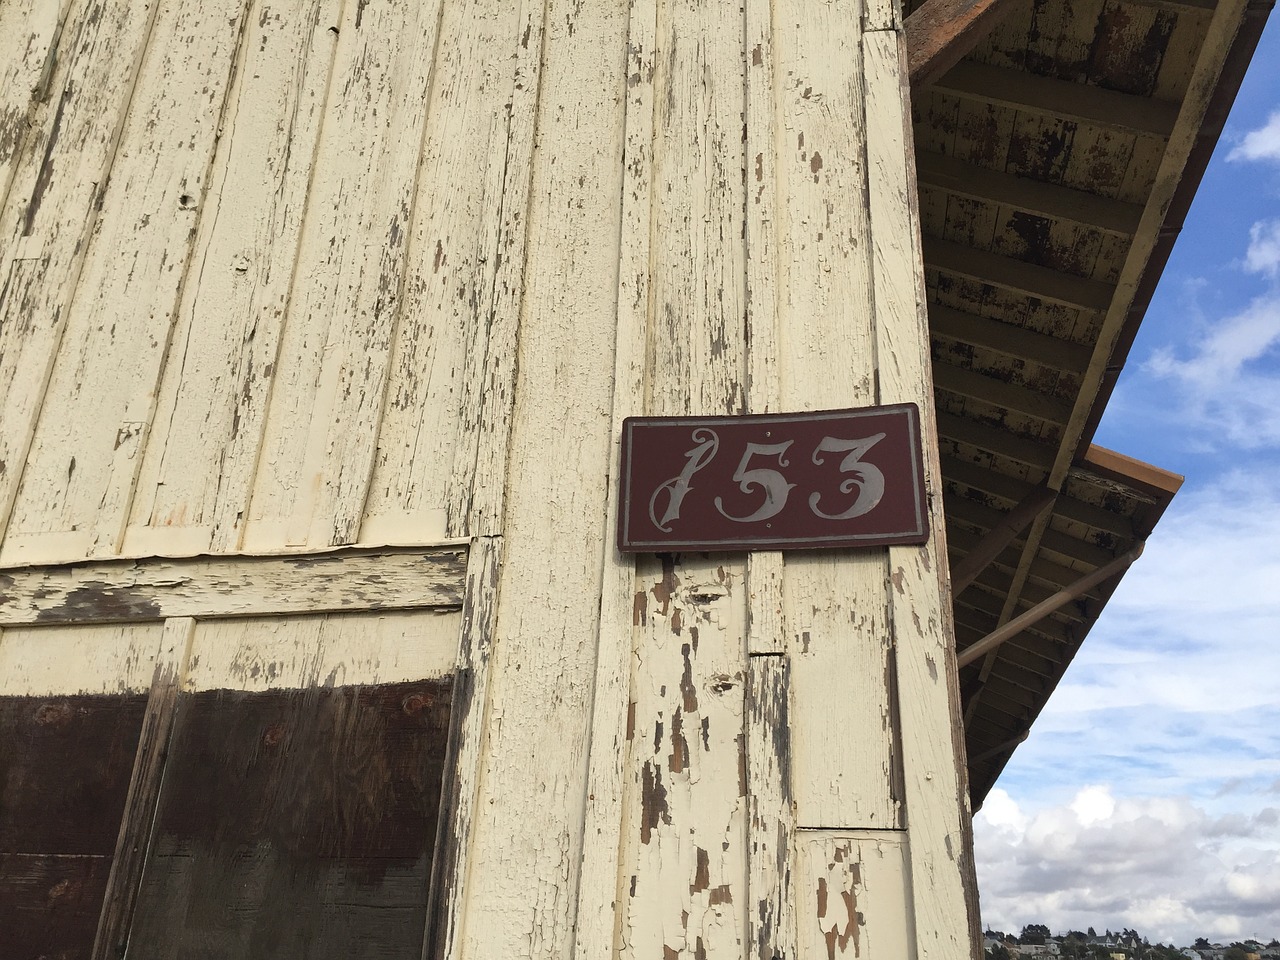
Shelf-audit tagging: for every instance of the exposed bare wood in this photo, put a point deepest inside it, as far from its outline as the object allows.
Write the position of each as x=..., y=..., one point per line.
x=940, y=32
x=1025, y=193
x=1013, y=524
x=144, y=790
x=1060, y=98
x=125, y=590
x=1129, y=470
x=1018, y=275
x=1040, y=610
x=1008, y=338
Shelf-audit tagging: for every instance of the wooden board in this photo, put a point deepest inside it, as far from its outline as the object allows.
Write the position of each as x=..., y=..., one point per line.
x=296, y=822
x=232, y=587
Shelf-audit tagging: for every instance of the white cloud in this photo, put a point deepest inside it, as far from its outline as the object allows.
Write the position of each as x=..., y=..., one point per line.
x=1260, y=144
x=1154, y=864
x=1263, y=255
x=1228, y=387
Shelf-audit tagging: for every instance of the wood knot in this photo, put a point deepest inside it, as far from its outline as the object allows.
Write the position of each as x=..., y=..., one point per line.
x=415, y=703
x=273, y=734
x=54, y=714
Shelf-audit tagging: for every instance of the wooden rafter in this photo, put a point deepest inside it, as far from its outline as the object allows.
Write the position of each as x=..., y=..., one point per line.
x=940, y=32
x=1003, y=534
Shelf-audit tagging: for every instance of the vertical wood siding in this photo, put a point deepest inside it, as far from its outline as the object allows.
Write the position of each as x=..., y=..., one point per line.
x=276, y=278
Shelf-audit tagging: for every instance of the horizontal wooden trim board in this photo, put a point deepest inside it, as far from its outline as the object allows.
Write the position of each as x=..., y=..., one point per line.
x=1061, y=98
x=1024, y=193
x=206, y=587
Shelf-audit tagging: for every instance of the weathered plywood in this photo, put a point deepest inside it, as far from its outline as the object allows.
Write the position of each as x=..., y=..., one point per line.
x=49, y=210
x=82, y=465
x=851, y=895
x=201, y=455
x=88, y=660
x=29, y=31
x=232, y=587
x=323, y=420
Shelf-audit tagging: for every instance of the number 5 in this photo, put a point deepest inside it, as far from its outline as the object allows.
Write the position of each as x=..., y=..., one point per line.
x=773, y=483
x=870, y=481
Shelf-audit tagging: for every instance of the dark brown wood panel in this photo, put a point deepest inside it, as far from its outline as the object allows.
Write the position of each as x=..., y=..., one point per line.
x=65, y=764
x=296, y=823
x=49, y=905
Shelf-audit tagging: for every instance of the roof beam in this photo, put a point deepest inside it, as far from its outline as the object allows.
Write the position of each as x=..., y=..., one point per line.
x=1061, y=99
x=1009, y=339
x=1005, y=532
x=940, y=32
x=1043, y=609
x=999, y=393
x=1023, y=193
x=1020, y=276
x=1036, y=453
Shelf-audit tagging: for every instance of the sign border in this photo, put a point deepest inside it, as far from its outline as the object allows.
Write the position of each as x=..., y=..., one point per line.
x=917, y=535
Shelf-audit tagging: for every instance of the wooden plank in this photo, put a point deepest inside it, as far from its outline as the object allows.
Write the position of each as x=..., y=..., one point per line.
x=833, y=603
x=851, y=895
x=460, y=790
x=130, y=852
x=50, y=209
x=1035, y=453
x=103, y=386
x=1060, y=98
x=80, y=660
x=323, y=420
x=1000, y=393
x=288, y=813
x=49, y=904
x=1018, y=275
x=941, y=916
x=233, y=587
x=940, y=32
x=688, y=894
x=29, y=33
x=532, y=800
x=771, y=918
x=440, y=460
x=1009, y=338
x=610, y=823
x=1048, y=199
x=197, y=470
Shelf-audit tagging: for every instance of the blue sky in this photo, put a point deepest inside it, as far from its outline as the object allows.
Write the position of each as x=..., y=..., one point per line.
x=1148, y=795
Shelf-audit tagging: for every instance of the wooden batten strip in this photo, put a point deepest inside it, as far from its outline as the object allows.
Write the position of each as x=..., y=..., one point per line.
x=205, y=587
x=608, y=823
x=938, y=859
x=144, y=791
x=1061, y=99
x=1024, y=193
x=470, y=713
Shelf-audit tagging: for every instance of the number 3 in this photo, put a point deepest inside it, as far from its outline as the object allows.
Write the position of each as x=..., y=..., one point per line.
x=870, y=481
x=773, y=483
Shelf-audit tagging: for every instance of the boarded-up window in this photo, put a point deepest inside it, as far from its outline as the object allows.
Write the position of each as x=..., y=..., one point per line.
x=292, y=811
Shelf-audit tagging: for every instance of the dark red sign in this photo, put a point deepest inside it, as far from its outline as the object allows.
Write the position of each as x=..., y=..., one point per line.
x=837, y=478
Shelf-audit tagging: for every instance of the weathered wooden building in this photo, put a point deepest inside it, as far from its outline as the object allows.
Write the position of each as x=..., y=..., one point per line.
x=319, y=320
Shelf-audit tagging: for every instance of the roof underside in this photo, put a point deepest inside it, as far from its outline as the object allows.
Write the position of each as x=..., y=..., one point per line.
x=1055, y=165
